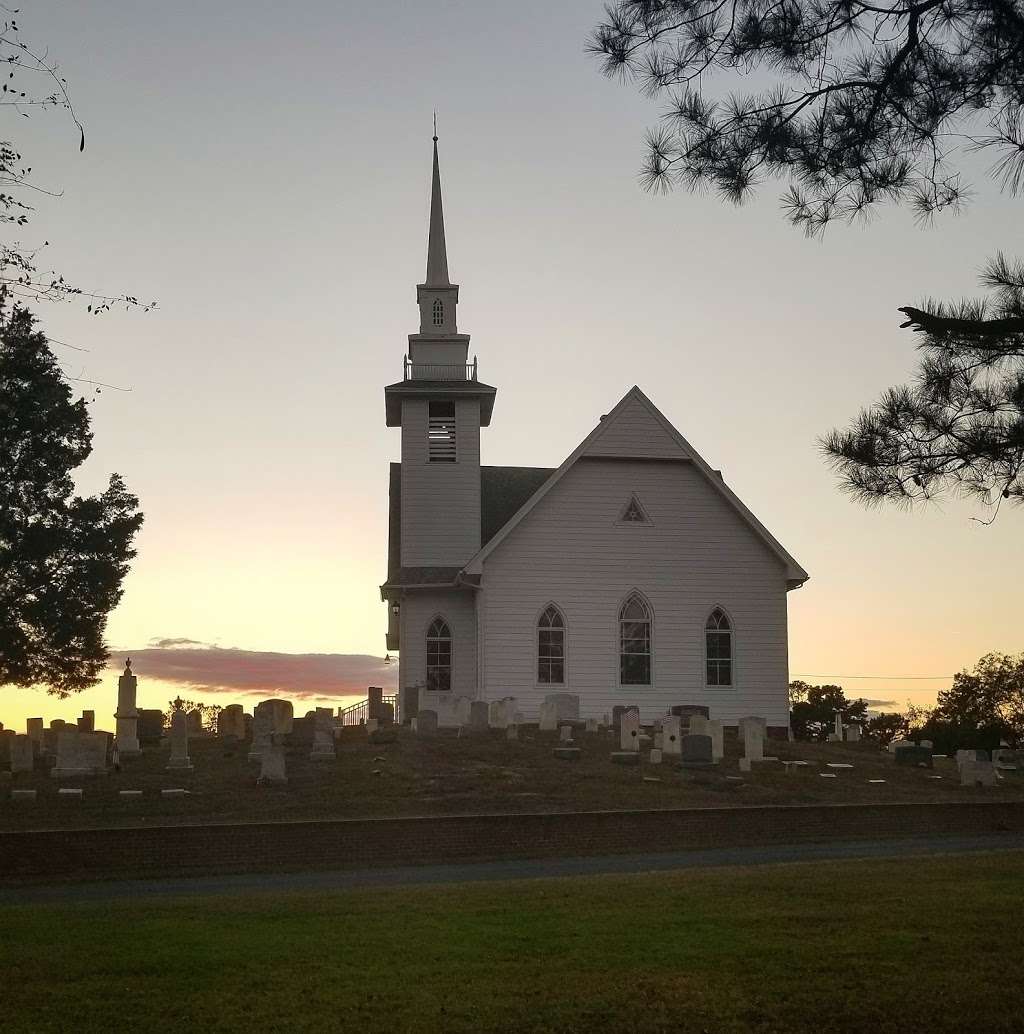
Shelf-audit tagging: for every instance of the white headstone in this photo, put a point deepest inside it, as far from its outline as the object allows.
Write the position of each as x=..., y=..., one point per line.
x=713, y=728
x=565, y=734
x=231, y=722
x=655, y=756
x=548, y=717
x=179, y=742
x=567, y=705
x=126, y=718
x=80, y=753
x=269, y=718
x=272, y=768
x=752, y=730
x=629, y=730
x=978, y=773
x=502, y=713
x=853, y=732
x=699, y=725
x=591, y=725
x=672, y=736
x=323, y=735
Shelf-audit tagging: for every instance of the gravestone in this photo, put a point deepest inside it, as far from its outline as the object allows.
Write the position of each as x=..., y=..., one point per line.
x=502, y=713
x=231, y=723
x=565, y=734
x=270, y=718
x=714, y=729
x=387, y=714
x=655, y=756
x=567, y=705
x=194, y=721
x=687, y=711
x=323, y=735
x=374, y=701
x=752, y=731
x=512, y=732
x=1009, y=760
x=179, y=759
x=617, y=712
x=150, y=726
x=452, y=712
x=6, y=738
x=50, y=735
x=22, y=753
x=629, y=729
x=977, y=773
x=697, y=752
x=591, y=725
x=272, y=767
x=698, y=725
x=426, y=723
x=87, y=723
x=478, y=715
x=853, y=732
x=566, y=753
x=80, y=753
x=126, y=717
x=23, y=795
x=895, y=745
x=914, y=756
x=672, y=737
x=34, y=731
x=548, y=717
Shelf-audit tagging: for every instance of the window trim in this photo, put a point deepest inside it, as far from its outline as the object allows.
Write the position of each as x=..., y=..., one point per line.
x=732, y=649
x=451, y=654
x=454, y=458
x=620, y=520
x=630, y=686
x=555, y=686
x=437, y=313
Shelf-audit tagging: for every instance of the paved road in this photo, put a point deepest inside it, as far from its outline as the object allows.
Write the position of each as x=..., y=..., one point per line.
x=511, y=870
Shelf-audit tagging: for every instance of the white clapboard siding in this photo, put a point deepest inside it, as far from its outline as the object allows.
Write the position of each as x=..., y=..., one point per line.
x=634, y=431
x=697, y=553
x=440, y=501
x=419, y=609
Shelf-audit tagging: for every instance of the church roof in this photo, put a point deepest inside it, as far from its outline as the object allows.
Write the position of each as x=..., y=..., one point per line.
x=437, y=253
x=416, y=388
x=503, y=491
x=601, y=442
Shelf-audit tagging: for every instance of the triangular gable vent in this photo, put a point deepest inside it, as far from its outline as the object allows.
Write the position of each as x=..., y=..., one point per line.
x=634, y=513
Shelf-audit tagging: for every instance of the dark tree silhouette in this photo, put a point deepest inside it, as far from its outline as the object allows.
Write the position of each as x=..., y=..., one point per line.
x=961, y=424
x=33, y=84
x=62, y=557
x=812, y=710
x=870, y=101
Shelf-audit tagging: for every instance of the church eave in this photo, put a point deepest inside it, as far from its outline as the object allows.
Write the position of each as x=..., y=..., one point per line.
x=423, y=389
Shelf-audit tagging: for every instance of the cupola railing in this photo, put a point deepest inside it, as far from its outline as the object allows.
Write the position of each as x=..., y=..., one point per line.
x=438, y=371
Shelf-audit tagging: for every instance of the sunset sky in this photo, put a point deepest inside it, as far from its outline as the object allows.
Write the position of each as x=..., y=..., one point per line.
x=262, y=171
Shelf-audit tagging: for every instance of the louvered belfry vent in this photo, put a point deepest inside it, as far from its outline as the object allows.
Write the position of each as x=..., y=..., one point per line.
x=441, y=432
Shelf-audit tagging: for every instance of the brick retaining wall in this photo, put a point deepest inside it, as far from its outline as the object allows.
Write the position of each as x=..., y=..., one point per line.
x=380, y=843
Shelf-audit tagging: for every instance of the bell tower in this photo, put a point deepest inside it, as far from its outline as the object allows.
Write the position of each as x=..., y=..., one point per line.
x=440, y=406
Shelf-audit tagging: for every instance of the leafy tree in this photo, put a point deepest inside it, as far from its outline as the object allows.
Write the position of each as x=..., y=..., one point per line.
x=813, y=710
x=987, y=702
x=208, y=712
x=960, y=426
x=868, y=103
x=886, y=727
x=63, y=557
x=33, y=85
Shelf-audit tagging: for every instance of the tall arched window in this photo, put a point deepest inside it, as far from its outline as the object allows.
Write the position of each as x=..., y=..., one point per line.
x=438, y=312
x=551, y=647
x=439, y=656
x=718, y=648
x=635, y=642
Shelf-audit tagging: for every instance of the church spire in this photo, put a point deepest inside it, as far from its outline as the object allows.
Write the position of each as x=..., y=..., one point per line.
x=437, y=255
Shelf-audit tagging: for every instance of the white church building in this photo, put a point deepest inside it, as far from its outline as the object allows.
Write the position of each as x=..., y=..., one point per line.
x=630, y=574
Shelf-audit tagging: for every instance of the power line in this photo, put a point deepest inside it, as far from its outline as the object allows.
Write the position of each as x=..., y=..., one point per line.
x=894, y=678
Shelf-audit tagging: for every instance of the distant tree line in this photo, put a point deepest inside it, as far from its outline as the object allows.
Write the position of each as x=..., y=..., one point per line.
x=983, y=708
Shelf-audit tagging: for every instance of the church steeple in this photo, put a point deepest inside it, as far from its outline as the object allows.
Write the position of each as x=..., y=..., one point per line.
x=437, y=253
x=437, y=296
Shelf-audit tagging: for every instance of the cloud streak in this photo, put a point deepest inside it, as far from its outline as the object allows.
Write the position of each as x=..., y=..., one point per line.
x=256, y=672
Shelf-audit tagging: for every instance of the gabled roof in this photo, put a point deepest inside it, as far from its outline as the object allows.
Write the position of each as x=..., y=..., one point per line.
x=503, y=490
x=606, y=440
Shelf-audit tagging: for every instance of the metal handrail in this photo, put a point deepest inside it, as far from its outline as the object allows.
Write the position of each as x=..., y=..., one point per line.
x=357, y=713
x=438, y=371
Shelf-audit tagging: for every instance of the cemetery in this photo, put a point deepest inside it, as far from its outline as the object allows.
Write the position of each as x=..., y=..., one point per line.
x=471, y=757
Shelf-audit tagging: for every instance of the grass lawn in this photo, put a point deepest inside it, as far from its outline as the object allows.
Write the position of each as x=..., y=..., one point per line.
x=449, y=774
x=916, y=945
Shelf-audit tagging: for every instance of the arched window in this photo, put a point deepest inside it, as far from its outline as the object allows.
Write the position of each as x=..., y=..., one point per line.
x=718, y=648
x=438, y=312
x=439, y=656
x=635, y=642
x=551, y=647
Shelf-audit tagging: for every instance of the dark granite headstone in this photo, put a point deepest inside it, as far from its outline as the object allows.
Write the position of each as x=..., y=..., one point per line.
x=374, y=700
x=697, y=751
x=914, y=756
x=151, y=725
